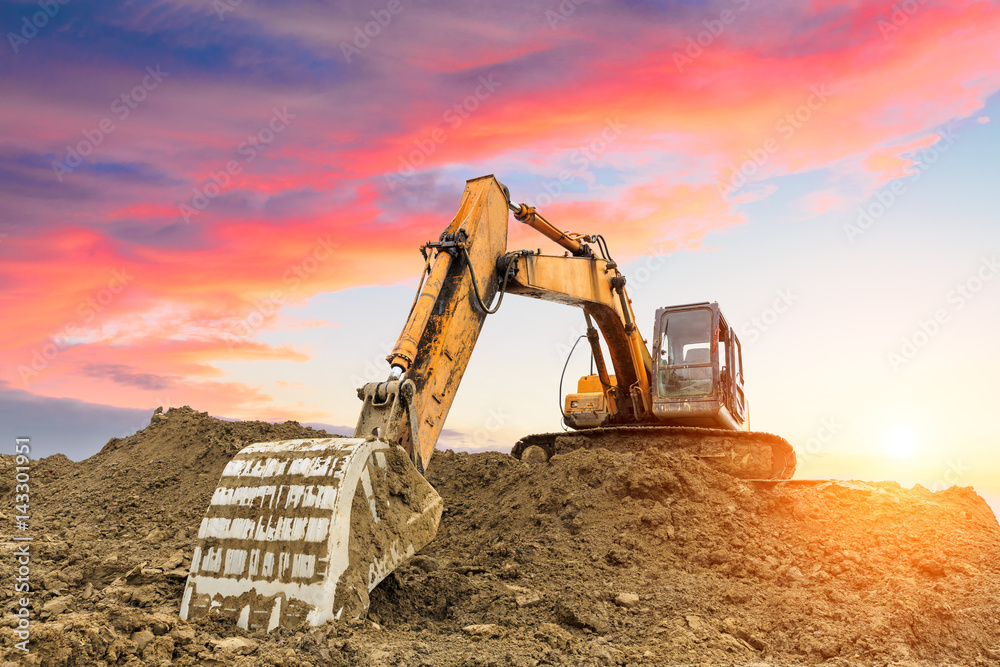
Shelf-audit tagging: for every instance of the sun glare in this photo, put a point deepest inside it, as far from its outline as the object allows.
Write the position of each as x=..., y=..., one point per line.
x=901, y=443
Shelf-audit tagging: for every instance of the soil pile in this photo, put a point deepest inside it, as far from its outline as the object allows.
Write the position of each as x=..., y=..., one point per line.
x=594, y=558
x=164, y=474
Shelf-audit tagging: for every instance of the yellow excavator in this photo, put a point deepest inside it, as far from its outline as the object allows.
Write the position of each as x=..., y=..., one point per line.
x=303, y=530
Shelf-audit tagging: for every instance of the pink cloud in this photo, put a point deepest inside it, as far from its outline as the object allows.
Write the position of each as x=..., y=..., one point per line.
x=312, y=212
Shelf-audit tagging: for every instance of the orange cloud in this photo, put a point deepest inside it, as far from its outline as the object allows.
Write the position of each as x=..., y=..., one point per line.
x=314, y=211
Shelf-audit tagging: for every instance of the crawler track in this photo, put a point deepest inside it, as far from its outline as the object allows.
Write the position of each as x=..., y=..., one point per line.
x=741, y=454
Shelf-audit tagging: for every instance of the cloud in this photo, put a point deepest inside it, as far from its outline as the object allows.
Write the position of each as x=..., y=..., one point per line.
x=123, y=375
x=372, y=158
x=72, y=427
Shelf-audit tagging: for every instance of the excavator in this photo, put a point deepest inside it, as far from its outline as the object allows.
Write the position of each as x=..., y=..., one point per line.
x=303, y=530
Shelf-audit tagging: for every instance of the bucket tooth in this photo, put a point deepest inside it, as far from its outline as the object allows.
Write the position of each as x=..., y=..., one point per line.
x=303, y=530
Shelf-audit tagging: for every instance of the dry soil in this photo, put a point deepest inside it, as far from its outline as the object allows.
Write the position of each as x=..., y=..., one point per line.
x=593, y=558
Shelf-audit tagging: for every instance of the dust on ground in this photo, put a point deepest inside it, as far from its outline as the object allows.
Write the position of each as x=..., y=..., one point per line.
x=594, y=558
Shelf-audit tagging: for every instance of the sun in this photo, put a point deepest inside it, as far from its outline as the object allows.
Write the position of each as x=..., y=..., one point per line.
x=901, y=443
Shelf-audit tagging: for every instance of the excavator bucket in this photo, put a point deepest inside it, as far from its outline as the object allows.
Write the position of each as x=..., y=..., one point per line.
x=303, y=530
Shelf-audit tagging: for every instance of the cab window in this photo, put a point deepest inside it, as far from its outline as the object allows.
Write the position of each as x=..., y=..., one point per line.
x=685, y=364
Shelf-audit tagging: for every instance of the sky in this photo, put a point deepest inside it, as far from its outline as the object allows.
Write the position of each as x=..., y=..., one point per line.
x=218, y=203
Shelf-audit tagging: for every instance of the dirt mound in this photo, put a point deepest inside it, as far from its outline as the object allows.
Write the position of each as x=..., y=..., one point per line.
x=164, y=474
x=594, y=558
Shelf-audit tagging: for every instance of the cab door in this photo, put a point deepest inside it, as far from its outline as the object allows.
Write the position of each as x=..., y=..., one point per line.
x=730, y=365
x=741, y=411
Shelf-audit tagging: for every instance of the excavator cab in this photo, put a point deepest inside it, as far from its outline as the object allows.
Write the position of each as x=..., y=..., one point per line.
x=698, y=369
x=696, y=380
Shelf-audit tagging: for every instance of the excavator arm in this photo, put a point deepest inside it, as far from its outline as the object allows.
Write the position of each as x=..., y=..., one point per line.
x=594, y=285
x=465, y=270
x=303, y=530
